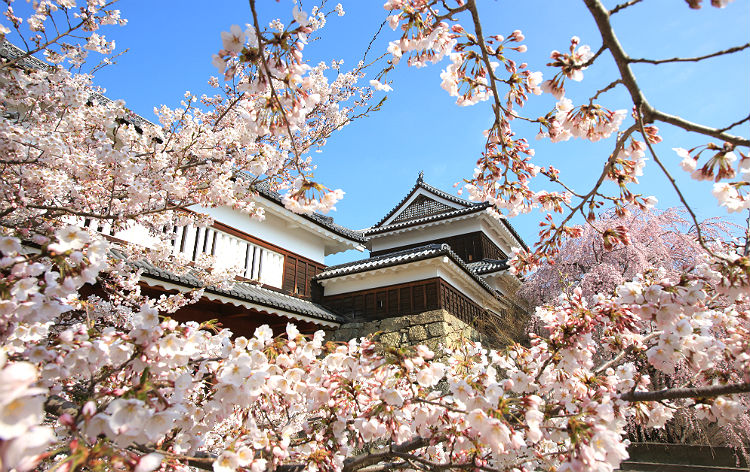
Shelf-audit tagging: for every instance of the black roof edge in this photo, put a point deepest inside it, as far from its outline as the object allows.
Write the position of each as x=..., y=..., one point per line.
x=442, y=250
x=326, y=222
x=180, y=280
x=502, y=264
x=422, y=184
x=427, y=219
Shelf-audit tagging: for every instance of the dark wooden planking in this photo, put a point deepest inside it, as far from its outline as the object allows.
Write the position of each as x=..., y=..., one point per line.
x=470, y=247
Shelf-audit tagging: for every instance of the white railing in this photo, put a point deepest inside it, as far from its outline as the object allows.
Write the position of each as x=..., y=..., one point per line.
x=256, y=262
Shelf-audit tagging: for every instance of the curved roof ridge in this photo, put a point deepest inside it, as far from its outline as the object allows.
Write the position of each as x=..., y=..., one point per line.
x=327, y=222
x=426, y=219
x=420, y=183
x=427, y=251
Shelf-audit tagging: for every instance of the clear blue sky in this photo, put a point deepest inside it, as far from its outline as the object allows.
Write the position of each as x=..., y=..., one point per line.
x=376, y=160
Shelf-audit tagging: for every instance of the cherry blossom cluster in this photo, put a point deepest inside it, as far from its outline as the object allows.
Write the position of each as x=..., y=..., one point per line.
x=720, y=166
x=481, y=64
x=110, y=380
x=63, y=30
x=176, y=389
x=293, y=102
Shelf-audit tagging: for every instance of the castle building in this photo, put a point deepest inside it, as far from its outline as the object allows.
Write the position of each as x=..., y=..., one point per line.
x=438, y=263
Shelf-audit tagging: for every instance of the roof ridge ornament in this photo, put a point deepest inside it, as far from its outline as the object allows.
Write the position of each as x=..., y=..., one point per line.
x=420, y=177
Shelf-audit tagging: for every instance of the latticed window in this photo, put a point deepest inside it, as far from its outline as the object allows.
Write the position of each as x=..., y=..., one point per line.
x=421, y=207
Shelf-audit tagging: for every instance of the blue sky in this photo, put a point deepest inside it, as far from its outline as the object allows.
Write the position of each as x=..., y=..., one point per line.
x=376, y=160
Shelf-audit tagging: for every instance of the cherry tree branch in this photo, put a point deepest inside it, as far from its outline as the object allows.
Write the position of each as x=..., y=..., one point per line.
x=623, y=6
x=692, y=59
x=609, y=39
x=695, y=127
x=368, y=459
x=605, y=89
x=736, y=123
x=618, y=147
x=49, y=42
x=619, y=357
x=676, y=188
x=650, y=114
x=472, y=7
x=680, y=393
x=274, y=94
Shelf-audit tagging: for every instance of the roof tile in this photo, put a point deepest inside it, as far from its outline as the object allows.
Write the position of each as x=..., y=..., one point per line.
x=243, y=291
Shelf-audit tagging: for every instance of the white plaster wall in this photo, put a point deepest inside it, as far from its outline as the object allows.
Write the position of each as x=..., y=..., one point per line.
x=274, y=230
x=503, y=240
x=136, y=234
x=442, y=229
x=493, y=281
x=381, y=279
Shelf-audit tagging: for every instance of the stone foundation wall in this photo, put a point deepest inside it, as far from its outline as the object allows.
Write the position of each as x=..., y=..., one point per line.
x=432, y=328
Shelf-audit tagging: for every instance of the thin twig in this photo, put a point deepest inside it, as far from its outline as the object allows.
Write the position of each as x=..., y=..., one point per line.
x=692, y=59
x=615, y=360
x=736, y=123
x=605, y=89
x=672, y=181
x=678, y=393
x=650, y=114
x=623, y=6
x=472, y=7
x=274, y=95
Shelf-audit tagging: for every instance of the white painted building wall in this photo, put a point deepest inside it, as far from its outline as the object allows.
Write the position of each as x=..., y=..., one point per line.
x=273, y=229
x=422, y=233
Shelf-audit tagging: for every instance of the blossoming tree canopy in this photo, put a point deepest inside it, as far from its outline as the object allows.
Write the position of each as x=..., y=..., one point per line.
x=657, y=240
x=111, y=379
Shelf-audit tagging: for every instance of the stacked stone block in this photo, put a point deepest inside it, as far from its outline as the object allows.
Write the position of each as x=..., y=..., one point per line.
x=432, y=328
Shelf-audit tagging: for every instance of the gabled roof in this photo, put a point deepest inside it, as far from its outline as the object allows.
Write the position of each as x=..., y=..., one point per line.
x=406, y=256
x=242, y=291
x=426, y=219
x=433, y=211
x=421, y=184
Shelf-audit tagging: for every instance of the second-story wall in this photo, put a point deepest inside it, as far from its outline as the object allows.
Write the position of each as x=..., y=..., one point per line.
x=469, y=247
x=274, y=230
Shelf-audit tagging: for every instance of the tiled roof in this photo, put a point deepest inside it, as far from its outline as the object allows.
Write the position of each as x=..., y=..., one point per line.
x=434, y=190
x=486, y=266
x=243, y=291
x=468, y=207
x=406, y=256
x=426, y=219
x=10, y=51
x=321, y=220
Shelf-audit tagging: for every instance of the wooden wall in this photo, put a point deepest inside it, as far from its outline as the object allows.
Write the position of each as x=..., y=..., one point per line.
x=406, y=299
x=298, y=270
x=383, y=302
x=470, y=247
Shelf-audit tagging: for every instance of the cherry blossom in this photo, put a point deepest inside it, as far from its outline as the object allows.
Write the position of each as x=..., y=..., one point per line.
x=111, y=378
